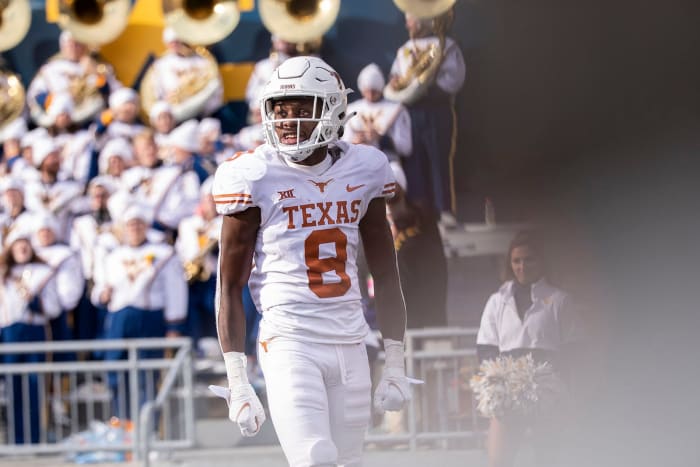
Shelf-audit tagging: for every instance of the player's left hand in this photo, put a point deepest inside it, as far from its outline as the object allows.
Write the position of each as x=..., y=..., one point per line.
x=393, y=391
x=244, y=407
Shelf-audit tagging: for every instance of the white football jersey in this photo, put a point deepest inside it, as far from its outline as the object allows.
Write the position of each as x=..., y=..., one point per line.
x=304, y=277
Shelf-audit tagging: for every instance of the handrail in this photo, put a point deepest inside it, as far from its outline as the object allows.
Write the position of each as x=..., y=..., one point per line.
x=181, y=361
x=114, y=344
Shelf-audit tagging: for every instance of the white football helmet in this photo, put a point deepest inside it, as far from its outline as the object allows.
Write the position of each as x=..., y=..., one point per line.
x=306, y=77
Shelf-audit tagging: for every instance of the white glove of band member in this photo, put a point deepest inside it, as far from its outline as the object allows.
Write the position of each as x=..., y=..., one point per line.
x=244, y=406
x=393, y=390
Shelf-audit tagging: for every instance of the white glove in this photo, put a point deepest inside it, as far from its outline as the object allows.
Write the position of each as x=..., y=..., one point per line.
x=394, y=389
x=244, y=407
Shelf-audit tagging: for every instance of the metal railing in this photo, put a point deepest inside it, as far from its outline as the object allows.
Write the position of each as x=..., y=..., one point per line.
x=181, y=368
x=442, y=409
x=65, y=398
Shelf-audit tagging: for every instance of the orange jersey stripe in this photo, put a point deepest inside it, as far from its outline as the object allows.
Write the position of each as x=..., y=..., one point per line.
x=387, y=192
x=232, y=195
x=233, y=201
x=239, y=154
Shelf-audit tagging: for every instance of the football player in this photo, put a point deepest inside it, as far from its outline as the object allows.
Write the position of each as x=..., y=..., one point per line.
x=295, y=210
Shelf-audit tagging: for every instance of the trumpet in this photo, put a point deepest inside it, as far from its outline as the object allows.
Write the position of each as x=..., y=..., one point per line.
x=195, y=269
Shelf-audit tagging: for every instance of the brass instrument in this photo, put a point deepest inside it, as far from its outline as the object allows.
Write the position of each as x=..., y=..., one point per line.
x=11, y=98
x=195, y=270
x=201, y=22
x=15, y=18
x=425, y=8
x=425, y=62
x=298, y=21
x=83, y=88
x=194, y=89
x=94, y=22
x=196, y=23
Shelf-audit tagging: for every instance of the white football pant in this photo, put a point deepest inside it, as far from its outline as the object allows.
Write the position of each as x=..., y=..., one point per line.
x=320, y=398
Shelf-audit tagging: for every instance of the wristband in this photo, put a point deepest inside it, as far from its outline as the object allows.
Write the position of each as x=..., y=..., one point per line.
x=236, y=363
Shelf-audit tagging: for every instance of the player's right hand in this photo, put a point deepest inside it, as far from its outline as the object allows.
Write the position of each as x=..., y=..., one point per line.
x=245, y=409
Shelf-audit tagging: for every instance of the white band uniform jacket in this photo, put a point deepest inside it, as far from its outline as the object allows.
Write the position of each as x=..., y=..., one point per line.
x=68, y=273
x=148, y=276
x=26, y=281
x=450, y=76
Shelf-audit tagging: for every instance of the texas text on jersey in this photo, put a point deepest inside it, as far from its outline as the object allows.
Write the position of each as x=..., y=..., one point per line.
x=305, y=276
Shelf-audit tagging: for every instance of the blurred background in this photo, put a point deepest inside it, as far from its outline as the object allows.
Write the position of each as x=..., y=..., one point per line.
x=579, y=118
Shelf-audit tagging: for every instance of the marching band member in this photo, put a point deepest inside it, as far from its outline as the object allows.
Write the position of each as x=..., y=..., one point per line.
x=281, y=51
x=429, y=170
x=145, y=290
x=23, y=168
x=60, y=113
x=121, y=120
x=171, y=191
x=65, y=265
x=76, y=72
x=86, y=238
x=198, y=247
x=14, y=214
x=181, y=70
x=213, y=145
x=11, y=137
x=115, y=158
x=48, y=193
x=184, y=143
x=253, y=135
x=381, y=123
x=28, y=301
x=162, y=121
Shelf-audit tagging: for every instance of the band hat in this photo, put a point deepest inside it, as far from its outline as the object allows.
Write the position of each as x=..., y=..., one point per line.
x=12, y=183
x=169, y=35
x=115, y=147
x=14, y=130
x=371, y=77
x=45, y=220
x=15, y=233
x=65, y=37
x=60, y=103
x=33, y=135
x=159, y=108
x=105, y=182
x=137, y=211
x=41, y=149
x=122, y=96
x=185, y=136
x=208, y=126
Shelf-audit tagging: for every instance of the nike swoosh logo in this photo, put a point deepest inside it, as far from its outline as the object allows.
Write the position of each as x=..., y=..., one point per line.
x=353, y=188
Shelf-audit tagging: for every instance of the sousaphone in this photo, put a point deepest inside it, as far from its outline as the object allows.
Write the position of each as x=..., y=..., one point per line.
x=426, y=62
x=196, y=23
x=15, y=19
x=298, y=21
x=93, y=23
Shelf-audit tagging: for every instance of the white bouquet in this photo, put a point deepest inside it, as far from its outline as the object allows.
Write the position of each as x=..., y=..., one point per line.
x=507, y=385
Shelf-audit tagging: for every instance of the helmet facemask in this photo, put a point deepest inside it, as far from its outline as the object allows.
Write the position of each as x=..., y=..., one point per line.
x=310, y=78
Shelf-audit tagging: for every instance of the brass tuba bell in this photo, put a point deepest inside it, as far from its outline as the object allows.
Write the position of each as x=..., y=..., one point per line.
x=201, y=22
x=15, y=18
x=298, y=21
x=425, y=8
x=94, y=22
